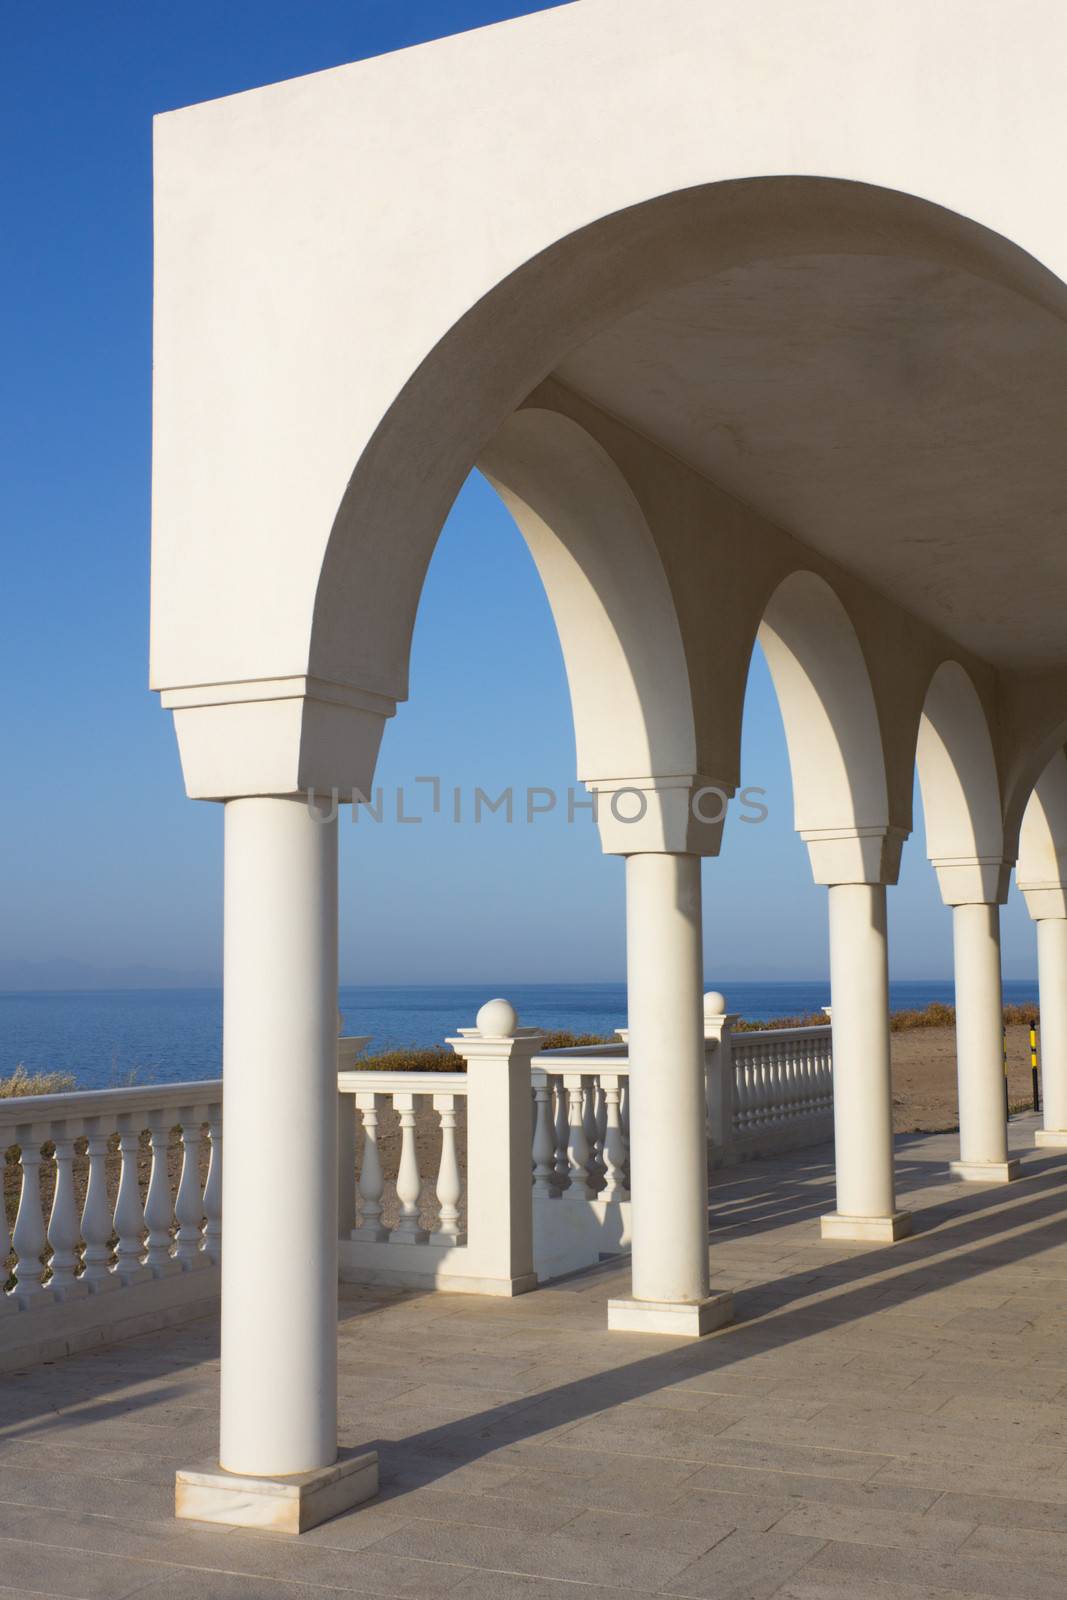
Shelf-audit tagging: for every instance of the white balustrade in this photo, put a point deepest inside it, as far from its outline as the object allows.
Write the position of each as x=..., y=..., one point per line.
x=402, y=1198
x=114, y=1238
x=782, y=1087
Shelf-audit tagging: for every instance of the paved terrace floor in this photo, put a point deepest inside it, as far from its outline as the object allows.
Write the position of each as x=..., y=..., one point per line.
x=884, y=1422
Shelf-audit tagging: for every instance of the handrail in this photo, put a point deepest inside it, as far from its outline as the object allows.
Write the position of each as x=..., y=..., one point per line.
x=370, y=1080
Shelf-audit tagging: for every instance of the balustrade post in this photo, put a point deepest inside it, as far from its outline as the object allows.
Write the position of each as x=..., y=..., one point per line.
x=64, y=1232
x=720, y=1095
x=159, y=1202
x=371, y=1178
x=129, y=1212
x=577, y=1143
x=212, y=1243
x=449, y=1186
x=615, y=1187
x=96, y=1226
x=562, y=1130
x=9, y=1302
x=189, y=1205
x=408, y=1179
x=499, y=1140
x=29, y=1238
x=544, y=1140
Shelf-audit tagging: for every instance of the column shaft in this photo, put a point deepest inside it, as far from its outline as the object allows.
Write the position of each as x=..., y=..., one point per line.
x=1052, y=978
x=279, y=1257
x=863, y=1097
x=980, y=1042
x=668, y=1151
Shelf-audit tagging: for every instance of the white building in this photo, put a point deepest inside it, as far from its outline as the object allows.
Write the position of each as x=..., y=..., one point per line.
x=755, y=315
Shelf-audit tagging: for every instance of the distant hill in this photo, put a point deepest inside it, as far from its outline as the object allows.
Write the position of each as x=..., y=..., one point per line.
x=63, y=973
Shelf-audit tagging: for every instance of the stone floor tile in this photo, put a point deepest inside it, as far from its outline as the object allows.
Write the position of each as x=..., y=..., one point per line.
x=982, y=1574
x=871, y=1525
x=1001, y=1511
x=558, y=1555
x=745, y=1566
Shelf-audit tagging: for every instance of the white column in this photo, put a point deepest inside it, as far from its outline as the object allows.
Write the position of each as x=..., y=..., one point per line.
x=1052, y=981
x=668, y=1146
x=279, y=1183
x=863, y=1098
x=980, y=1046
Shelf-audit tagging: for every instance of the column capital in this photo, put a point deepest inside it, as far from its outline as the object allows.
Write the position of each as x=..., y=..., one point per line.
x=974, y=880
x=678, y=814
x=277, y=736
x=1044, y=901
x=868, y=855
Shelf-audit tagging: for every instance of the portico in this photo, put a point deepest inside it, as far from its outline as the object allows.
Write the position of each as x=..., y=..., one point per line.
x=753, y=344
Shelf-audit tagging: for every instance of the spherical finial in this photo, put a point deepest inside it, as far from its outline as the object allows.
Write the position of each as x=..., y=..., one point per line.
x=497, y=1019
x=714, y=1003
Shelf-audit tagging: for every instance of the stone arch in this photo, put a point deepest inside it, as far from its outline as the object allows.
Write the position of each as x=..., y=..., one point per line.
x=487, y=363
x=1042, y=863
x=609, y=596
x=828, y=708
x=960, y=788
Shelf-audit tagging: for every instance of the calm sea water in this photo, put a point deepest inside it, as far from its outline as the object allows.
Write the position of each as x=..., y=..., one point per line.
x=106, y=1037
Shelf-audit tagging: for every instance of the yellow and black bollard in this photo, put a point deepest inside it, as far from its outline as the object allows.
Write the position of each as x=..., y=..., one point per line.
x=1033, y=1064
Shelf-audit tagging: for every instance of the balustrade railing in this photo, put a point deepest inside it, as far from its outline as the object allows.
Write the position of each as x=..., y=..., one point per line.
x=403, y=1185
x=109, y=1189
x=782, y=1083
x=113, y=1188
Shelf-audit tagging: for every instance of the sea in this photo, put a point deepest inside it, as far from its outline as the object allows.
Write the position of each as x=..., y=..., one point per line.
x=106, y=1038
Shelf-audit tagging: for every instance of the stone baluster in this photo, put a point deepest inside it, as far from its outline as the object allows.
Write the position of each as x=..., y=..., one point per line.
x=746, y=1098
x=562, y=1130
x=624, y=1124
x=29, y=1238
x=159, y=1203
x=780, y=1072
x=544, y=1139
x=189, y=1206
x=9, y=1303
x=96, y=1216
x=577, y=1143
x=591, y=1131
x=790, y=1084
x=615, y=1187
x=371, y=1181
x=449, y=1187
x=601, y=1128
x=212, y=1243
x=64, y=1232
x=408, y=1180
x=129, y=1212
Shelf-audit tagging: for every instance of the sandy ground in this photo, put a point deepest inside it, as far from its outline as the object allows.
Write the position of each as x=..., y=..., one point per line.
x=924, y=1078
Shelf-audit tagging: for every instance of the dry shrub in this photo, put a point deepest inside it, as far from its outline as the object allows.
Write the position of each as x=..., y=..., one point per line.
x=22, y=1082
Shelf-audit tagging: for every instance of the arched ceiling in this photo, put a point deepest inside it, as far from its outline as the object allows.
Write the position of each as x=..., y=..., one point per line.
x=905, y=419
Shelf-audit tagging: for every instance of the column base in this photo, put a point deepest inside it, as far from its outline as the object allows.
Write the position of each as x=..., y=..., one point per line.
x=866, y=1230
x=985, y=1171
x=683, y=1320
x=1051, y=1139
x=283, y=1504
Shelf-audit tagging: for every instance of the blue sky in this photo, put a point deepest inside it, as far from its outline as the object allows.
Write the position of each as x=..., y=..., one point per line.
x=106, y=861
